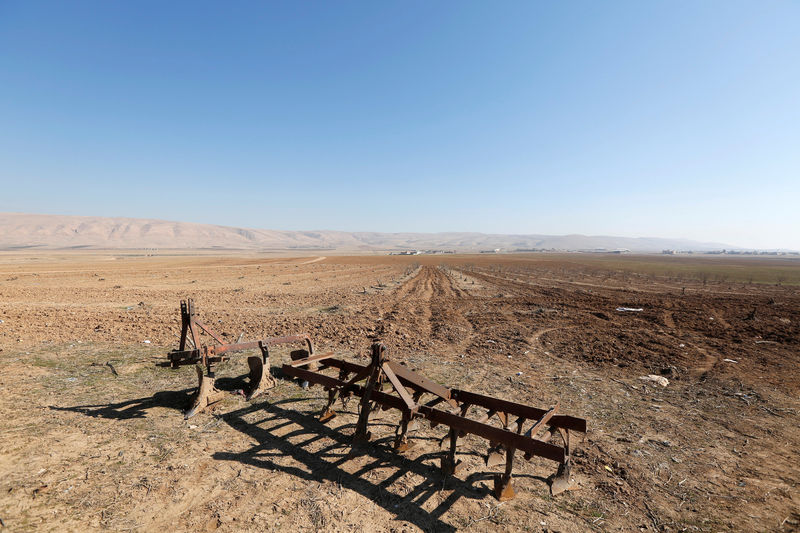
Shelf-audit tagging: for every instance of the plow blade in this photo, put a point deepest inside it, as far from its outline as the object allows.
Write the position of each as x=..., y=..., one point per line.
x=503, y=489
x=260, y=378
x=561, y=481
x=495, y=458
x=207, y=394
x=327, y=415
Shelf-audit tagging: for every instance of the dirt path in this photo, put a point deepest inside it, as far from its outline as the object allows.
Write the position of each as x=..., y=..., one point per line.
x=451, y=325
x=703, y=367
x=429, y=309
x=715, y=314
x=407, y=311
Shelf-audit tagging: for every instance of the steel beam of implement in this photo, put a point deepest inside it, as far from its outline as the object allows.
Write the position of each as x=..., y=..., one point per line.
x=531, y=413
x=187, y=357
x=417, y=382
x=507, y=438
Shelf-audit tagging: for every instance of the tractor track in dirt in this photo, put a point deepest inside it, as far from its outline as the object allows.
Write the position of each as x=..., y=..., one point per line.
x=409, y=310
x=451, y=310
x=429, y=308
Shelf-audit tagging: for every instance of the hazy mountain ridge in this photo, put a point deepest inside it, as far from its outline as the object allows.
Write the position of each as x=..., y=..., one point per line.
x=18, y=230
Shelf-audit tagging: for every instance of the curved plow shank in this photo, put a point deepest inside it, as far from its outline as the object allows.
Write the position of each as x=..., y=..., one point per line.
x=503, y=489
x=260, y=378
x=401, y=442
x=207, y=394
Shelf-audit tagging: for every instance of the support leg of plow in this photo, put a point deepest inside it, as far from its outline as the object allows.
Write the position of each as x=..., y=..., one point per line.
x=207, y=394
x=503, y=490
x=260, y=378
x=401, y=442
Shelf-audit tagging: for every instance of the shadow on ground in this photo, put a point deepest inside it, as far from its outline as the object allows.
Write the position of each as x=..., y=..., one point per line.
x=326, y=464
x=134, y=408
x=180, y=400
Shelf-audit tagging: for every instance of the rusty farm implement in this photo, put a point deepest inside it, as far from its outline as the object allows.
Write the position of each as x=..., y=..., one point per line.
x=191, y=351
x=384, y=384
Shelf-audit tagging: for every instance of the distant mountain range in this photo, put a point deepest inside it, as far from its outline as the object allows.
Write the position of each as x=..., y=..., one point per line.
x=18, y=230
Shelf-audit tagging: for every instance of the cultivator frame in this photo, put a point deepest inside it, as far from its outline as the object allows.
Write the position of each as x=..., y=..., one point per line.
x=375, y=384
x=206, y=356
x=381, y=374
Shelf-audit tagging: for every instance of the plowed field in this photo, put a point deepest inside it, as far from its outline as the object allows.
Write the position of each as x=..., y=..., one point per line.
x=92, y=436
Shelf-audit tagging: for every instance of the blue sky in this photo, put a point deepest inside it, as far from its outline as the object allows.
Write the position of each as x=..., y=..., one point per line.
x=670, y=119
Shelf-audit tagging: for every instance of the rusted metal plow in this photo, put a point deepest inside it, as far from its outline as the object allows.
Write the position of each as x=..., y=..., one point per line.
x=192, y=351
x=382, y=377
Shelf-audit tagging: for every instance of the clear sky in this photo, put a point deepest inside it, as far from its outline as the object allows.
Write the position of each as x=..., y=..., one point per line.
x=640, y=118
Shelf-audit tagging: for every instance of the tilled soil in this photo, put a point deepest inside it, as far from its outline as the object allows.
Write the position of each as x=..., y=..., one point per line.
x=93, y=437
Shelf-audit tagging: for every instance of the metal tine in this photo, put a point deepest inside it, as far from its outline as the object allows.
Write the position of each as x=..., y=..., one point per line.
x=333, y=393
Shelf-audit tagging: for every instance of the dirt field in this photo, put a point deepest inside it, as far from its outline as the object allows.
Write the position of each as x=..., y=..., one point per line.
x=92, y=437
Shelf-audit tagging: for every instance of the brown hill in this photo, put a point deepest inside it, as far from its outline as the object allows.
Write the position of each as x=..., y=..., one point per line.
x=18, y=230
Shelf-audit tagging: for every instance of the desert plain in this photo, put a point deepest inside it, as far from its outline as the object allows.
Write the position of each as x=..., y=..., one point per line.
x=92, y=435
